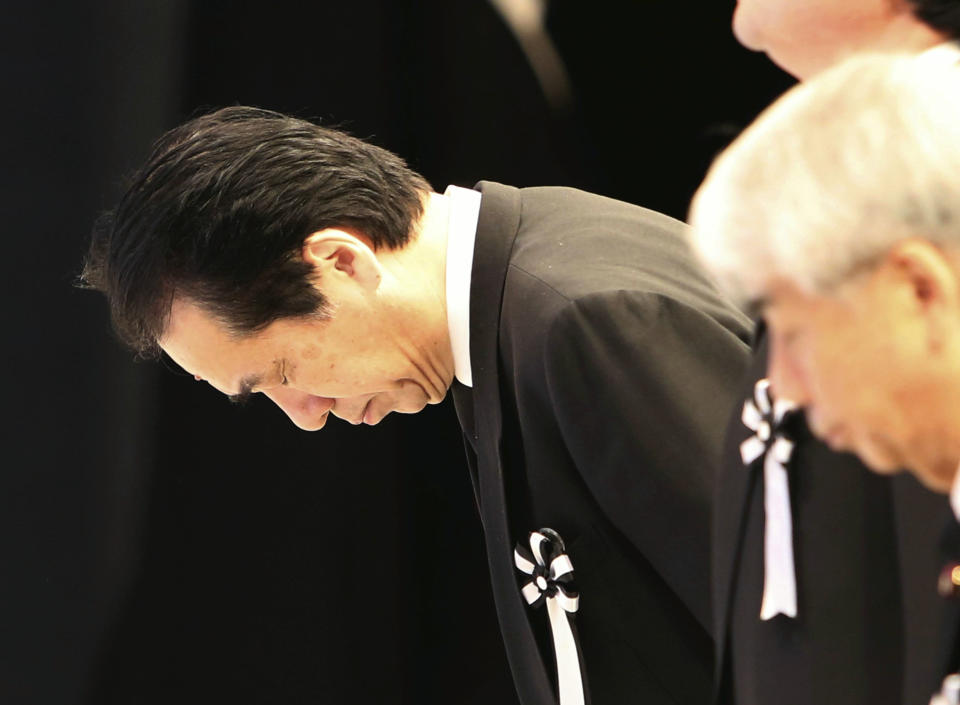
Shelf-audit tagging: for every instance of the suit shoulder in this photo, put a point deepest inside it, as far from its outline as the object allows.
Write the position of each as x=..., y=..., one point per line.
x=540, y=300
x=580, y=242
x=613, y=309
x=565, y=199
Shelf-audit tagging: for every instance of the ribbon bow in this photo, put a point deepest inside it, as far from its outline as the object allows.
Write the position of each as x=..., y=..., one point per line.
x=949, y=693
x=551, y=578
x=765, y=416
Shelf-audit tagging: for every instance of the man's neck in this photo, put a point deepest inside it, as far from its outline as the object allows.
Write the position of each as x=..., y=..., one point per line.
x=903, y=33
x=421, y=263
x=419, y=267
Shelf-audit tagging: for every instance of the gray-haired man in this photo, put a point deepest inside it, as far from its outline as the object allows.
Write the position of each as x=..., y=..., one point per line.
x=838, y=212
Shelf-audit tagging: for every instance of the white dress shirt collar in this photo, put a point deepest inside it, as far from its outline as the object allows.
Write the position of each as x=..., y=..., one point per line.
x=464, y=213
x=945, y=52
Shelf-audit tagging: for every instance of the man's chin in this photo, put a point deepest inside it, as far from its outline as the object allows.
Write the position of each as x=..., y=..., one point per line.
x=879, y=462
x=882, y=468
x=373, y=415
x=744, y=29
x=937, y=476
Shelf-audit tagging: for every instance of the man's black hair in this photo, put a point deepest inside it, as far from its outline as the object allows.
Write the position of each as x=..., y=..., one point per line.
x=941, y=15
x=220, y=211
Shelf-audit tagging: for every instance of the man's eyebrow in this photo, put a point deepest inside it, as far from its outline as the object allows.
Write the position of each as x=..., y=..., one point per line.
x=246, y=389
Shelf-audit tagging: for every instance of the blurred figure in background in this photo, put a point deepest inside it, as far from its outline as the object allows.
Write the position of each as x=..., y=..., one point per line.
x=804, y=38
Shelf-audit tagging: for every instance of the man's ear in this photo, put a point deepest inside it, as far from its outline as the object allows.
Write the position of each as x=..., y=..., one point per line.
x=929, y=278
x=930, y=273
x=337, y=253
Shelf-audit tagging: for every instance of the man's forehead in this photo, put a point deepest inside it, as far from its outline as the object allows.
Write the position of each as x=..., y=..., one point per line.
x=771, y=297
x=796, y=308
x=203, y=347
x=187, y=317
x=237, y=386
x=784, y=300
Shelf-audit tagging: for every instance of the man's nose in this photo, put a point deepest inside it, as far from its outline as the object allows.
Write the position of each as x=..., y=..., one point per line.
x=307, y=411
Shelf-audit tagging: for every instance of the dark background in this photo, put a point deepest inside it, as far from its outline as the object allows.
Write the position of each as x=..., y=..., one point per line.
x=160, y=545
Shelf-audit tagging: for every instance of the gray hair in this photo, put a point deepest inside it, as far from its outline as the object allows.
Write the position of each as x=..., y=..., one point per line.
x=833, y=174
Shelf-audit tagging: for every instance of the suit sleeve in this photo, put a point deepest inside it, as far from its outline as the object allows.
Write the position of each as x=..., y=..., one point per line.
x=642, y=387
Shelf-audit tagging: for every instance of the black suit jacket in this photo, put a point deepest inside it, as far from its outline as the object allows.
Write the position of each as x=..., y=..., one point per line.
x=866, y=565
x=947, y=659
x=604, y=367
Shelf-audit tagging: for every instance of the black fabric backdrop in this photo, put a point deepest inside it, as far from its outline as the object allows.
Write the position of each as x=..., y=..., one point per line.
x=158, y=544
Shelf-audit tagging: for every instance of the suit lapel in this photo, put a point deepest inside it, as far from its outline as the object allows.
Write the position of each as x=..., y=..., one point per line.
x=496, y=230
x=733, y=495
x=735, y=488
x=463, y=402
x=950, y=592
x=949, y=639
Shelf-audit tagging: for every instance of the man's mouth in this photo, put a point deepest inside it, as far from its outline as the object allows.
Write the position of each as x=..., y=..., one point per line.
x=354, y=419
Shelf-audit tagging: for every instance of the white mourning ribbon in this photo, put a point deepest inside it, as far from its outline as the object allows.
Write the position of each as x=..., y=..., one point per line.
x=949, y=693
x=763, y=415
x=547, y=584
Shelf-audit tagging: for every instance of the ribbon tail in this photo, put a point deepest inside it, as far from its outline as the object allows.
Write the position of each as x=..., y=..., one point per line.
x=569, y=678
x=779, y=575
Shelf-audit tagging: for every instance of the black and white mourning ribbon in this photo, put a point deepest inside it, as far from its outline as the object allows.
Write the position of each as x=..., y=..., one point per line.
x=764, y=416
x=949, y=693
x=551, y=583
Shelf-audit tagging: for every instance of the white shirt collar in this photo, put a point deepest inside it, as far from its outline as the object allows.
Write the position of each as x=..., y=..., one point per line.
x=945, y=52
x=461, y=234
x=955, y=495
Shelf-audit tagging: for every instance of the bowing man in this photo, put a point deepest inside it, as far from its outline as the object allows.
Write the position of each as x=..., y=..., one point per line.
x=592, y=364
x=838, y=213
